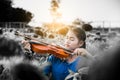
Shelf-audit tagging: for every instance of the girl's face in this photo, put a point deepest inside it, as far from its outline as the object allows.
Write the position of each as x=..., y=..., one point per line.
x=72, y=42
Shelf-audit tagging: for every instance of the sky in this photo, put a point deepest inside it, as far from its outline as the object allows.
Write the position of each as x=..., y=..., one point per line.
x=86, y=10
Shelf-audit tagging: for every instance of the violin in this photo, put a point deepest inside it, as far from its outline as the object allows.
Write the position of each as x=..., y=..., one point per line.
x=41, y=47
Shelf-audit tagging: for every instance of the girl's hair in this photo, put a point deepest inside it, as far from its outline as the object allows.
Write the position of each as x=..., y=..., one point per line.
x=80, y=34
x=27, y=71
x=102, y=69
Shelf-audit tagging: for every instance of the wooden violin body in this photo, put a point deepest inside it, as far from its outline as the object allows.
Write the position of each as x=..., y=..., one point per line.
x=42, y=49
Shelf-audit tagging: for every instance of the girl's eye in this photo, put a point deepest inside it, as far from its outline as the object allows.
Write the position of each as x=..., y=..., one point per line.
x=72, y=39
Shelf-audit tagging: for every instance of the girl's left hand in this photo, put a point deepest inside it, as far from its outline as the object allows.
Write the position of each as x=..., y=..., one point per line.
x=80, y=52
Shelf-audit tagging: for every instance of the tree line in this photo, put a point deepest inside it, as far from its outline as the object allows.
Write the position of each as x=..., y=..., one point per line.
x=11, y=14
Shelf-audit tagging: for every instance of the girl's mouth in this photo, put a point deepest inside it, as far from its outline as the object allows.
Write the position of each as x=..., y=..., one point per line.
x=67, y=45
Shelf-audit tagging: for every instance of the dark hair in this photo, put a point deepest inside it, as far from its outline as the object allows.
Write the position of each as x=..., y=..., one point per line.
x=27, y=71
x=10, y=48
x=87, y=27
x=11, y=30
x=1, y=31
x=80, y=33
x=106, y=66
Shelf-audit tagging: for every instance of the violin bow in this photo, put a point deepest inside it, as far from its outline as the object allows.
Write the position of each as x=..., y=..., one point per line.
x=44, y=43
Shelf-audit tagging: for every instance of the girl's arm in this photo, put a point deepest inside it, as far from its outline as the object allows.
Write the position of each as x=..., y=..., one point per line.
x=47, y=68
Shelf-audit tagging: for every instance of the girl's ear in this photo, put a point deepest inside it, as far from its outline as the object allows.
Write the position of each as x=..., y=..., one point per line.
x=81, y=43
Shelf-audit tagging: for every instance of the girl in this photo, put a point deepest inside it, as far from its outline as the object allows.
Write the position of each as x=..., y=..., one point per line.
x=74, y=41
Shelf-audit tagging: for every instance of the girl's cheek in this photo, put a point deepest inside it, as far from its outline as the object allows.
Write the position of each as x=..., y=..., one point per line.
x=67, y=41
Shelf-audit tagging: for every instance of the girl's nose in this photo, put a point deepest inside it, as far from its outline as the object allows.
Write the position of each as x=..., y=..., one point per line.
x=67, y=41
